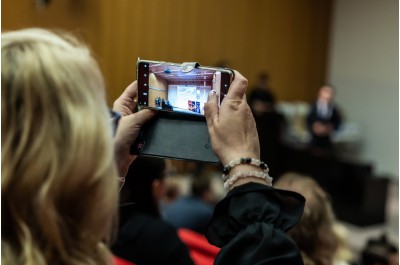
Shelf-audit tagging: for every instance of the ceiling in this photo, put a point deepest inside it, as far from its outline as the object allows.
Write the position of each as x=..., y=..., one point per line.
x=171, y=72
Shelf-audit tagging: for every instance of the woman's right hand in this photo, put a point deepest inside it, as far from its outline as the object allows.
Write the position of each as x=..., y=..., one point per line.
x=232, y=127
x=129, y=126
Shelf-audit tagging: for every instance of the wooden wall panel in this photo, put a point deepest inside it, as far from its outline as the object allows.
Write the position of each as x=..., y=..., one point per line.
x=72, y=15
x=288, y=38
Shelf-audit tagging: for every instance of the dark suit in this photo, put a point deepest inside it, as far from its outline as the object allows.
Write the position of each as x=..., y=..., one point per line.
x=331, y=116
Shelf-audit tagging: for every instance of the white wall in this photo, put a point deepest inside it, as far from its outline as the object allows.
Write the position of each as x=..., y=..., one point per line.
x=363, y=67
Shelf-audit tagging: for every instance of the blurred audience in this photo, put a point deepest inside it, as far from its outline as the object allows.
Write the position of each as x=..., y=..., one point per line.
x=321, y=239
x=143, y=237
x=324, y=118
x=194, y=211
x=201, y=251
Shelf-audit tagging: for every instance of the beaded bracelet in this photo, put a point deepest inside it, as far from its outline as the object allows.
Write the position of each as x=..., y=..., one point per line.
x=247, y=160
x=257, y=174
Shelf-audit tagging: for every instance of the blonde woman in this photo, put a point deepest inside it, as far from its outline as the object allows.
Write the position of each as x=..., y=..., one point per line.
x=59, y=177
x=60, y=162
x=320, y=238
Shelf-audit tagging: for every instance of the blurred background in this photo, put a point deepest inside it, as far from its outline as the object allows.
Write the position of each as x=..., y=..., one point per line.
x=288, y=50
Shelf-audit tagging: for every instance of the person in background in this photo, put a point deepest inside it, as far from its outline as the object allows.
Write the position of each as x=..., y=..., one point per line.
x=321, y=239
x=323, y=119
x=270, y=123
x=195, y=211
x=172, y=191
x=261, y=99
x=143, y=237
x=191, y=215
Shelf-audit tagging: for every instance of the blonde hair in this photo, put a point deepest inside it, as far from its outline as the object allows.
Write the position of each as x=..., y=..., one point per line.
x=59, y=179
x=317, y=233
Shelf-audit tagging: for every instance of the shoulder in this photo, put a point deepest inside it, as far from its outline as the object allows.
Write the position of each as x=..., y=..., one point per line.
x=148, y=240
x=149, y=230
x=149, y=225
x=161, y=228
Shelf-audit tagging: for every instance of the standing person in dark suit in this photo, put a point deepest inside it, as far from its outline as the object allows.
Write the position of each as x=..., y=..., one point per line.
x=323, y=119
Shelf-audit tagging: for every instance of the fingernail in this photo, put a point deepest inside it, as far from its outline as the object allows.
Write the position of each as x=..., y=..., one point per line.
x=212, y=94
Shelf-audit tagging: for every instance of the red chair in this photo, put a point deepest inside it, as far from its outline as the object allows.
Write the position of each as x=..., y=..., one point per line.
x=201, y=252
x=119, y=261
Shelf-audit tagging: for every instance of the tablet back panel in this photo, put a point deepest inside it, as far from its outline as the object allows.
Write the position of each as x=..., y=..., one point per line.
x=176, y=136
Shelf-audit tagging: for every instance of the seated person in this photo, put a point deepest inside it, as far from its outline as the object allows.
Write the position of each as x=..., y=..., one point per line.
x=319, y=236
x=60, y=185
x=143, y=237
x=195, y=211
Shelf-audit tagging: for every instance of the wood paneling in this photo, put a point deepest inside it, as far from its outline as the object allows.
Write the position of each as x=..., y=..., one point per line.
x=287, y=38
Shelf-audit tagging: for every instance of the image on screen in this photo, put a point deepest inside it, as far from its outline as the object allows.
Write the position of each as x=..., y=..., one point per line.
x=167, y=87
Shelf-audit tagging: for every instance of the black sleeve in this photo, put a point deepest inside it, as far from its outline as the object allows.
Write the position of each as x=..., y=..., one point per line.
x=249, y=226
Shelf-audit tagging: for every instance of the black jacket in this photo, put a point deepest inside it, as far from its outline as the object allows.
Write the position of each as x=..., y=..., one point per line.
x=147, y=240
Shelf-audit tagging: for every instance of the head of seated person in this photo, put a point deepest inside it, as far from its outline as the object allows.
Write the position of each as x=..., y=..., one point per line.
x=202, y=188
x=59, y=185
x=318, y=235
x=145, y=184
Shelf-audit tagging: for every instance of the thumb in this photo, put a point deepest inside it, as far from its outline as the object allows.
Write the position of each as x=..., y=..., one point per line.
x=211, y=109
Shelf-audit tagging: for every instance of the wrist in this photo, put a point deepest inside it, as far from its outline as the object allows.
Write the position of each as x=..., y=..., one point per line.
x=123, y=165
x=246, y=180
x=123, y=160
x=244, y=170
x=231, y=157
x=243, y=161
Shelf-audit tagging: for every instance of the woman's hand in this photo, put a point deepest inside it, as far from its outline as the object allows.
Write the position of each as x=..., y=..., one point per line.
x=128, y=127
x=232, y=127
x=233, y=130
